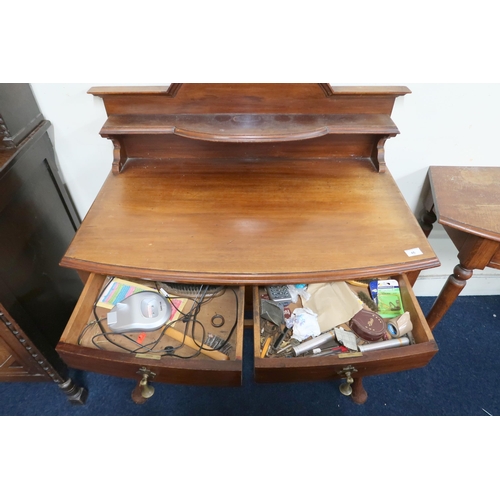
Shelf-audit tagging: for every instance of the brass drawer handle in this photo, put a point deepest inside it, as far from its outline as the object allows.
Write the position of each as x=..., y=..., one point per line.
x=346, y=387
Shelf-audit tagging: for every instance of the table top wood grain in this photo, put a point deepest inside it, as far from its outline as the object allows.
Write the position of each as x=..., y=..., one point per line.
x=249, y=221
x=467, y=199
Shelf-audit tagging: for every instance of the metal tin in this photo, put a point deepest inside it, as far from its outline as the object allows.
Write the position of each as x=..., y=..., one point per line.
x=386, y=344
x=311, y=344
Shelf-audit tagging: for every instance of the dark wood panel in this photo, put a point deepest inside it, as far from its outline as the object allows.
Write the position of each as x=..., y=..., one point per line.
x=175, y=147
x=22, y=359
x=36, y=231
x=19, y=114
x=37, y=222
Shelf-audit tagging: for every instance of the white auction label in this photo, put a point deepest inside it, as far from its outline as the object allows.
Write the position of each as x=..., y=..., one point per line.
x=413, y=252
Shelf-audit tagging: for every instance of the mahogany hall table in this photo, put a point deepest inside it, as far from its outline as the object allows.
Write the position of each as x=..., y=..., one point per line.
x=466, y=202
x=241, y=186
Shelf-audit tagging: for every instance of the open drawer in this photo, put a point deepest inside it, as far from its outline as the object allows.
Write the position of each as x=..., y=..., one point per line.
x=170, y=355
x=360, y=364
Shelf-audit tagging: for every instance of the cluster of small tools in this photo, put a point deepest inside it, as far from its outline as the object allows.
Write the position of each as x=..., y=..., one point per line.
x=365, y=331
x=218, y=343
x=276, y=342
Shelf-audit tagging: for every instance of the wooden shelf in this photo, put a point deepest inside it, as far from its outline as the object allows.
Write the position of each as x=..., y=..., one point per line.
x=250, y=127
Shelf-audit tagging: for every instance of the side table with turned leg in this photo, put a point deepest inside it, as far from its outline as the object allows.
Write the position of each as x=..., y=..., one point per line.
x=466, y=202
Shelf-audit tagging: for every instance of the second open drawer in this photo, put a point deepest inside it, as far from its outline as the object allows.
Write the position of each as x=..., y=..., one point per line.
x=307, y=368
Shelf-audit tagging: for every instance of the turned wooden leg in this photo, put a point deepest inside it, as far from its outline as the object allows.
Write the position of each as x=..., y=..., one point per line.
x=359, y=395
x=353, y=386
x=451, y=290
x=76, y=395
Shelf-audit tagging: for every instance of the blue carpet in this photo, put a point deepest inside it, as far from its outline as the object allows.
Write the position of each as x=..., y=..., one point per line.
x=462, y=379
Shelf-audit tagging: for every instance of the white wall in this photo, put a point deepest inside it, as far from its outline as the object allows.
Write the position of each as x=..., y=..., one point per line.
x=84, y=156
x=445, y=124
x=440, y=124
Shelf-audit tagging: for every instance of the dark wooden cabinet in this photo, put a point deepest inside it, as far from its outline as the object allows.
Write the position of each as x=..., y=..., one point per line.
x=37, y=222
x=19, y=114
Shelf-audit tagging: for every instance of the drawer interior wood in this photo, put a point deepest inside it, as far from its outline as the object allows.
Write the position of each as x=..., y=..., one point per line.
x=297, y=369
x=176, y=354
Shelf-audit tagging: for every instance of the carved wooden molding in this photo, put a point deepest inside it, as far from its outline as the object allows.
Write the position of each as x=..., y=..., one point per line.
x=173, y=89
x=7, y=141
x=44, y=366
x=119, y=157
x=378, y=157
x=327, y=89
x=158, y=90
x=330, y=91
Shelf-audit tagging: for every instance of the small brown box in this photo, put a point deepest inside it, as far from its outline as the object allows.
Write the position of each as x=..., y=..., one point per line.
x=368, y=325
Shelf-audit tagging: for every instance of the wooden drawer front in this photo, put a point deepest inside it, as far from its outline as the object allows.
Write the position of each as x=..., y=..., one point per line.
x=88, y=349
x=303, y=369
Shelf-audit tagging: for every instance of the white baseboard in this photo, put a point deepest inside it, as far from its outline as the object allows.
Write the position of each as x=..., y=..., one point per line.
x=431, y=281
x=480, y=284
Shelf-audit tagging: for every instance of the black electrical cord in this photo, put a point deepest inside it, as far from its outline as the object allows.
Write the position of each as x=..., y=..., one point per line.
x=189, y=318
x=141, y=348
x=230, y=333
x=84, y=331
